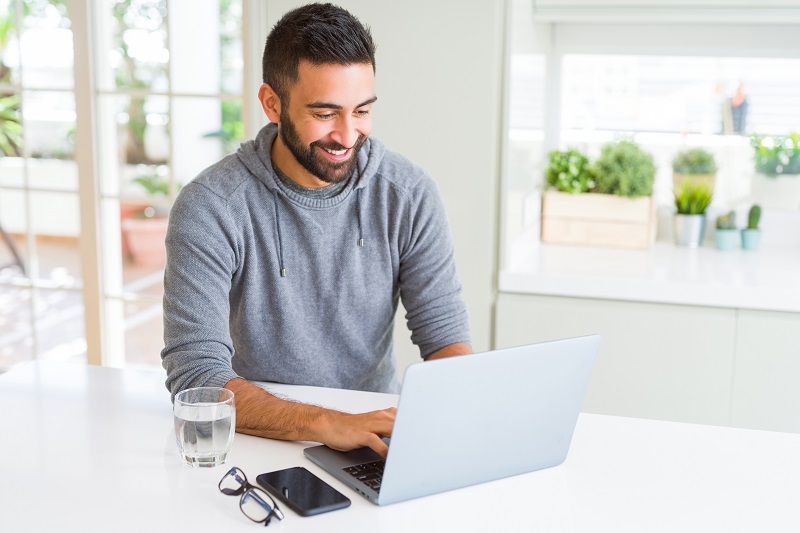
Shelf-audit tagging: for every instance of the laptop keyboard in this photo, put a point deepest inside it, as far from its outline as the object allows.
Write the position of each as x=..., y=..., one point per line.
x=369, y=473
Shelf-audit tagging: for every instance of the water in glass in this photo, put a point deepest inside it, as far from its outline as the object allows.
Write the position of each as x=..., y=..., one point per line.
x=204, y=431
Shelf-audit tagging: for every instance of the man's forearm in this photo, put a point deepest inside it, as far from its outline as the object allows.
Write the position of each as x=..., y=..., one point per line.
x=262, y=414
x=451, y=350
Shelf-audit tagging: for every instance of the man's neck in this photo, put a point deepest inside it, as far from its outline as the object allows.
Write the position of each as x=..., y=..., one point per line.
x=285, y=160
x=322, y=193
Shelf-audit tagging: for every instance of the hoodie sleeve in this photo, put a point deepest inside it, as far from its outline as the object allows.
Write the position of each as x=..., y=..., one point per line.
x=201, y=259
x=429, y=286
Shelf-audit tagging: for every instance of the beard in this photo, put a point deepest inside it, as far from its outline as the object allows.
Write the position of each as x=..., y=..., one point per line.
x=327, y=171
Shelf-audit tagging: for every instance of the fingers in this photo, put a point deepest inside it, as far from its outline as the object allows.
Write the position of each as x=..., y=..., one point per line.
x=393, y=412
x=377, y=445
x=367, y=430
x=350, y=431
x=374, y=440
x=380, y=423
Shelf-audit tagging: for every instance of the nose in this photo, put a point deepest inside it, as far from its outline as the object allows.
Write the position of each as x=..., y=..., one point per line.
x=345, y=131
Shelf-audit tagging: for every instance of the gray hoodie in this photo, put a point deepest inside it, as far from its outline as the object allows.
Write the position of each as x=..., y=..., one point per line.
x=264, y=283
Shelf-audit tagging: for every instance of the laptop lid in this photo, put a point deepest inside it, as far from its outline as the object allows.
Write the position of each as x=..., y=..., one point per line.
x=471, y=419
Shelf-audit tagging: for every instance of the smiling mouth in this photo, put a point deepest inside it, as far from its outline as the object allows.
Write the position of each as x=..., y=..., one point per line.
x=336, y=155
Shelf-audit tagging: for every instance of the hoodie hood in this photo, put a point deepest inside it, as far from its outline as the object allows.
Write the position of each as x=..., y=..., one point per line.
x=255, y=155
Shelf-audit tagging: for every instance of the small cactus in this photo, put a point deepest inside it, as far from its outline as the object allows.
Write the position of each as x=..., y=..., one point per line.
x=753, y=217
x=727, y=221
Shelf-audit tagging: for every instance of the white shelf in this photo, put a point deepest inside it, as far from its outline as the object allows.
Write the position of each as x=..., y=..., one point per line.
x=766, y=279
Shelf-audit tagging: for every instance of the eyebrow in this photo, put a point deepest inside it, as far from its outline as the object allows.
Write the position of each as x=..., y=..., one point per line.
x=328, y=105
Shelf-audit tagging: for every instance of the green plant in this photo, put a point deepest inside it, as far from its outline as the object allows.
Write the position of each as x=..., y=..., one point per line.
x=6, y=30
x=624, y=169
x=727, y=222
x=754, y=217
x=136, y=17
x=569, y=171
x=694, y=161
x=154, y=184
x=232, y=131
x=10, y=127
x=693, y=198
x=777, y=155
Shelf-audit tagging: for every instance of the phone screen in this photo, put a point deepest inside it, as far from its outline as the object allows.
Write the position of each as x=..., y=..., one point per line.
x=302, y=491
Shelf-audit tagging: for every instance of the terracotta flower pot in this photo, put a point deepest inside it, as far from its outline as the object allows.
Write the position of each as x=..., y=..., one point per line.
x=145, y=238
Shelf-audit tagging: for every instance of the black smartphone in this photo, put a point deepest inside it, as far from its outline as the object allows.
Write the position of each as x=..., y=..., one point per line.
x=302, y=492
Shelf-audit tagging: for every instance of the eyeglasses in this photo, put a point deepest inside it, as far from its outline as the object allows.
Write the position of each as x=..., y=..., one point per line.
x=256, y=504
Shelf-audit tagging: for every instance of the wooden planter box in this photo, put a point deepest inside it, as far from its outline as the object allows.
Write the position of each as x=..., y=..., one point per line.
x=592, y=219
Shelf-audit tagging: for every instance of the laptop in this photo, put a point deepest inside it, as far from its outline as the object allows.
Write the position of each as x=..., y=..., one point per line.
x=474, y=418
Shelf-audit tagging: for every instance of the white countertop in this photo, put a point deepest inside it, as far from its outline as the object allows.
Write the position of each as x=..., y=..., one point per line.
x=90, y=449
x=765, y=279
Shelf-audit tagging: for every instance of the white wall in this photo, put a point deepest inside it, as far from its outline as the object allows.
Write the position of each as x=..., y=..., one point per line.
x=439, y=79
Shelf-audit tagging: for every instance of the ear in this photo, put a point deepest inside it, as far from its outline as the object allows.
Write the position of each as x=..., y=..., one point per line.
x=270, y=103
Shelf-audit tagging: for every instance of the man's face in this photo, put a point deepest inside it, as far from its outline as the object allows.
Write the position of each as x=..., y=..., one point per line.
x=328, y=118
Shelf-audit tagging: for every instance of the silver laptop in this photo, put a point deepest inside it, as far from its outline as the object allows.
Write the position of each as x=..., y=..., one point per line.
x=471, y=419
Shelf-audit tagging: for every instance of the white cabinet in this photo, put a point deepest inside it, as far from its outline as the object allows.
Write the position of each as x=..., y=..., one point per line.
x=766, y=385
x=673, y=362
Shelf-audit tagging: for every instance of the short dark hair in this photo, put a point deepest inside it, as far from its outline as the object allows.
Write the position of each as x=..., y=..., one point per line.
x=317, y=33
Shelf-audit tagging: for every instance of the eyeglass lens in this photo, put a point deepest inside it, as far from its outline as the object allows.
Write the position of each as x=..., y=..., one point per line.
x=256, y=504
x=234, y=482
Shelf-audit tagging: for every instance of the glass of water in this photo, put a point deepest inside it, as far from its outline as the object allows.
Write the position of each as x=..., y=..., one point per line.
x=205, y=420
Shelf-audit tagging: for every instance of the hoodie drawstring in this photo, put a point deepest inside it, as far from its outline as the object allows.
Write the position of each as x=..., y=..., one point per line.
x=358, y=214
x=280, y=237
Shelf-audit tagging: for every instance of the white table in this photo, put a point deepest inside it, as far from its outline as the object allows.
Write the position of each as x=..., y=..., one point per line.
x=88, y=449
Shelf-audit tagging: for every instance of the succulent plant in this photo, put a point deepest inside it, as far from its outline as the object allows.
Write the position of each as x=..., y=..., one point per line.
x=754, y=217
x=727, y=221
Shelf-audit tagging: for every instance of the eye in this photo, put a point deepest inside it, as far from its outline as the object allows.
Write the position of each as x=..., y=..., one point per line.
x=324, y=116
x=362, y=112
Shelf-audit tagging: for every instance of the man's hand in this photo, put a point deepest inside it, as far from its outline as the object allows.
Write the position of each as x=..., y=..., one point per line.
x=261, y=414
x=342, y=431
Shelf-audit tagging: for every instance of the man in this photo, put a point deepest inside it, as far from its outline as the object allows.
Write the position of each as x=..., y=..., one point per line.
x=286, y=260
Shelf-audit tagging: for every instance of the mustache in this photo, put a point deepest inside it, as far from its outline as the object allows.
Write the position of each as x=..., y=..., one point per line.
x=337, y=146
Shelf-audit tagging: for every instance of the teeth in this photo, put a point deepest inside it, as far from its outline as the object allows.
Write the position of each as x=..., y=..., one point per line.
x=335, y=152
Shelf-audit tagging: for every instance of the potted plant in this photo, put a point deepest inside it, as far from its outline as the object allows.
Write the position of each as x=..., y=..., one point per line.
x=615, y=207
x=695, y=165
x=691, y=201
x=776, y=155
x=751, y=235
x=725, y=235
x=624, y=169
x=777, y=165
x=145, y=229
x=569, y=171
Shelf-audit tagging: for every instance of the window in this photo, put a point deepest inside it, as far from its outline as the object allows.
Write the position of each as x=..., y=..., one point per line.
x=164, y=93
x=667, y=103
x=711, y=83
x=41, y=309
x=169, y=104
